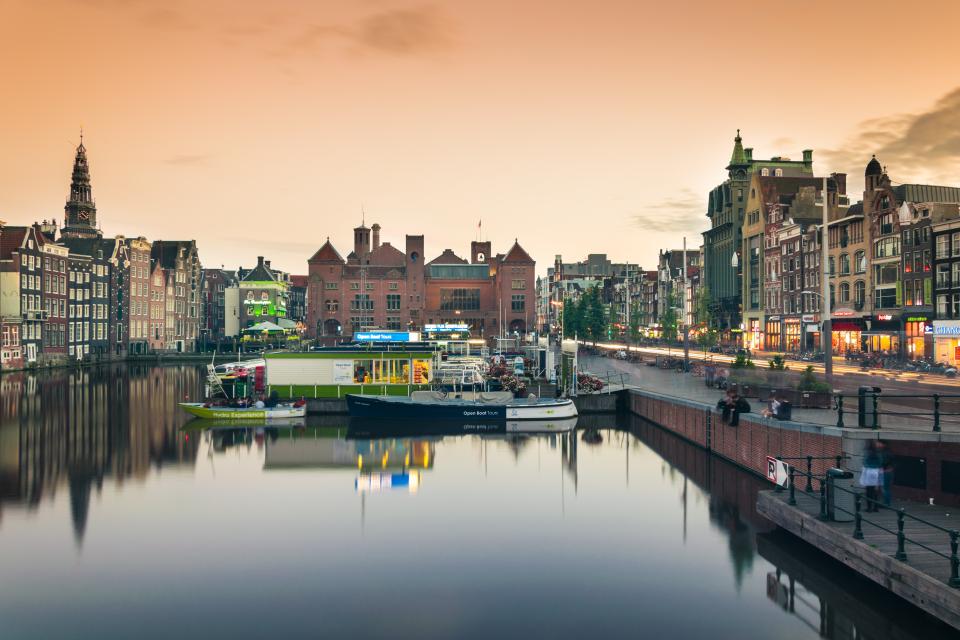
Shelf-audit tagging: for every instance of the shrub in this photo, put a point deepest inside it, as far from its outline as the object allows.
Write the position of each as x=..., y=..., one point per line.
x=777, y=363
x=742, y=361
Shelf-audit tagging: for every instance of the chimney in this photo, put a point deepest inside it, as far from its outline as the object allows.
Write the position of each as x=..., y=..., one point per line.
x=266, y=263
x=749, y=153
x=841, y=180
x=808, y=157
x=376, y=236
x=259, y=261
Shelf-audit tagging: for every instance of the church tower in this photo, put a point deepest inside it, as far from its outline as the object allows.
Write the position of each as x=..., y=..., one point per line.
x=80, y=210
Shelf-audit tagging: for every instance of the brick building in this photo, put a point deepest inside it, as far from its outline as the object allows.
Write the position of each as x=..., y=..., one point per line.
x=378, y=285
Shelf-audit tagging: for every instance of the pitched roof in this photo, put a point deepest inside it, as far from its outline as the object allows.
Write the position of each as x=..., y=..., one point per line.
x=387, y=255
x=298, y=281
x=327, y=253
x=10, y=240
x=87, y=246
x=517, y=254
x=165, y=251
x=259, y=273
x=447, y=257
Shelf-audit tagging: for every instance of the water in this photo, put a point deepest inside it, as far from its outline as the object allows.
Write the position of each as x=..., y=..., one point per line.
x=115, y=522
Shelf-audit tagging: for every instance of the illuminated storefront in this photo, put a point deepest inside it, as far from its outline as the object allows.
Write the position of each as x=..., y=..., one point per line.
x=773, y=334
x=810, y=332
x=946, y=341
x=791, y=334
x=753, y=338
x=845, y=335
x=883, y=336
x=918, y=332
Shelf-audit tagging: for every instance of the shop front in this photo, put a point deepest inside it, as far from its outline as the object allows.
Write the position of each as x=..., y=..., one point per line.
x=883, y=334
x=946, y=341
x=753, y=337
x=845, y=335
x=792, y=334
x=810, y=332
x=773, y=342
x=918, y=336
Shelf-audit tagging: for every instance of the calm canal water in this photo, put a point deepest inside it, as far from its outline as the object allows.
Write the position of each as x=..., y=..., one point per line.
x=116, y=521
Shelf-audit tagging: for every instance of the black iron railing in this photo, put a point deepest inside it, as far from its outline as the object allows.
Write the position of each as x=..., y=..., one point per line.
x=869, y=408
x=859, y=520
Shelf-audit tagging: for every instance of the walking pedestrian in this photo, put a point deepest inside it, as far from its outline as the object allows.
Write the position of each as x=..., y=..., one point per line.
x=886, y=471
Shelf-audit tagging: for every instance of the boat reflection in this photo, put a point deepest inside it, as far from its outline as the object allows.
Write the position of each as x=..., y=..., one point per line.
x=360, y=428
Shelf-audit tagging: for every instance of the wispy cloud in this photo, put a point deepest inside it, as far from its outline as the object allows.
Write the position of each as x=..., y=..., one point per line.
x=188, y=159
x=919, y=145
x=686, y=211
x=399, y=32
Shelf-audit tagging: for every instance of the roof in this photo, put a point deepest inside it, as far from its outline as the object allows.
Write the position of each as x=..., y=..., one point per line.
x=462, y=271
x=447, y=257
x=298, y=281
x=10, y=240
x=259, y=273
x=855, y=209
x=86, y=246
x=517, y=254
x=873, y=168
x=327, y=253
x=387, y=255
x=166, y=251
x=927, y=193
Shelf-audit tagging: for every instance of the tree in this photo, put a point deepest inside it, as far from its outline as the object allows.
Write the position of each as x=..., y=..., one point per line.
x=701, y=306
x=635, y=323
x=708, y=337
x=668, y=323
x=594, y=316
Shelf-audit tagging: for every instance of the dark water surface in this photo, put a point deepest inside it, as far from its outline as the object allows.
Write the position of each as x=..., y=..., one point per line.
x=115, y=522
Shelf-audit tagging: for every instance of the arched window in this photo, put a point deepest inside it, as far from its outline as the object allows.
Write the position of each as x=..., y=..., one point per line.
x=764, y=172
x=778, y=173
x=332, y=305
x=832, y=296
x=264, y=295
x=844, y=264
x=249, y=295
x=844, y=292
x=859, y=290
x=860, y=262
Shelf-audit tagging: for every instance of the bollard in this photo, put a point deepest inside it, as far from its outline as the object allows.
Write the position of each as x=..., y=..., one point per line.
x=809, y=488
x=840, y=411
x=857, y=519
x=793, y=495
x=954, y=560
x=823, y=501
x=901, y=554
x=936, y=412
x=839, y=461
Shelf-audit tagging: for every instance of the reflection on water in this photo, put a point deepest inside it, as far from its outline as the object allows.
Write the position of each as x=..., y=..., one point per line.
x=121, y=512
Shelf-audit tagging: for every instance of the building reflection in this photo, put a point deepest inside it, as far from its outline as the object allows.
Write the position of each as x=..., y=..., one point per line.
x=72, y=428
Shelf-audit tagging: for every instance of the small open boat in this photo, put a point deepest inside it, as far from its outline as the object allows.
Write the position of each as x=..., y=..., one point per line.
x=481, y=408
x=209, y=412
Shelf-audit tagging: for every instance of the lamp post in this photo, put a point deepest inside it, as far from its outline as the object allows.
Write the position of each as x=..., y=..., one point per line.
x=826, y=330
x=735, y=263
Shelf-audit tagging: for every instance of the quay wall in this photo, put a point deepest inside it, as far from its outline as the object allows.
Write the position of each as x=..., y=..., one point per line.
x=746, y=445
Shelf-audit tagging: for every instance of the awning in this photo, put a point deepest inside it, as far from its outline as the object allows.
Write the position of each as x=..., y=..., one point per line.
x=260, y=327
x=845, y=325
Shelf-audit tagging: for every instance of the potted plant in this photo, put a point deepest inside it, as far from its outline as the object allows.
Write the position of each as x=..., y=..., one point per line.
x=813, y=394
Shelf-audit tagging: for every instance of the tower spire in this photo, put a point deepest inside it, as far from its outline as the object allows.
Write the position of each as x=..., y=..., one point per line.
x=80, y=210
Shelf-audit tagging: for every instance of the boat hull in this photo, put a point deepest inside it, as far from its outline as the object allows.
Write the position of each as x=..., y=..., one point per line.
x=247, y=413
x=402, y=409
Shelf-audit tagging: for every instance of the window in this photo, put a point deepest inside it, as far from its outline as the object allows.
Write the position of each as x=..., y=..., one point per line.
x=860, y=261
x=393, y=323
x=956, y=274
x=778, y=173
x=955, y=243
x=955, y=307
x=459, y=299
x=330, y=286
x=393, y=286
x=844, y=264
x=907, y=238
x=354, y=286
x=331, y=305
x=943, y=276
x=393, y=302
x=361, y=302
x=764, y=172
x=886, y=273
x=859, y=289
x=831, y=270
x=518, y=284
x=844, y=292
x=943, y=246
x=369, y=286
x=885, y=298
x=518, y=303
x=887, y=247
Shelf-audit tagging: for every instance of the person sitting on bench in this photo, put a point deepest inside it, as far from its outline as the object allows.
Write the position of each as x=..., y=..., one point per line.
x=731, y=407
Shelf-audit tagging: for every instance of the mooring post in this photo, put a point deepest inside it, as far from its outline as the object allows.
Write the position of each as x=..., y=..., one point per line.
x=793, y=495
x=857, y=518
x=840, y=411
x=809, y=474
x=901, y=553
x=936, y=412
x=954, y=560
x=823, y=500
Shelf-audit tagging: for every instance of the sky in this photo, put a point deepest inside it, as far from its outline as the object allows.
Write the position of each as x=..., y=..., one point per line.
x=262, y=128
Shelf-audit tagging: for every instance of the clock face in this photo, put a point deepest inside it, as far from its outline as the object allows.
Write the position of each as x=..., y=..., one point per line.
x=84, y=215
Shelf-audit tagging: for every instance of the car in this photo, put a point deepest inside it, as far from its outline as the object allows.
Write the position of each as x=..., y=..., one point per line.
x=620, y=355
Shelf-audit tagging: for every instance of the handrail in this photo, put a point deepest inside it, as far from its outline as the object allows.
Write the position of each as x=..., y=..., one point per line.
x=936, y=414
x=902, y=516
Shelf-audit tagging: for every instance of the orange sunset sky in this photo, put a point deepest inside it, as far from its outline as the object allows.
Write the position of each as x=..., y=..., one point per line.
x=263, y=127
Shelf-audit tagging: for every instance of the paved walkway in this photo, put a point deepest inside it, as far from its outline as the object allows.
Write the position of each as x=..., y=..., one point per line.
x=689, y=387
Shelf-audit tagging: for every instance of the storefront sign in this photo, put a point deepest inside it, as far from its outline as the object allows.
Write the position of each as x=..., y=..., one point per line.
x=774, y=318
x=909, y=318
x=792, y=320
x=813, y=328
x=843, y=313
x=384, y=336
x=946, y=328
x=433, y=328
x=809, y=317
x=884, y=316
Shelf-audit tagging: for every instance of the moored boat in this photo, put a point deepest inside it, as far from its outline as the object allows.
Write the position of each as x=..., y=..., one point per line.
x=481, y=408
x=213, y=412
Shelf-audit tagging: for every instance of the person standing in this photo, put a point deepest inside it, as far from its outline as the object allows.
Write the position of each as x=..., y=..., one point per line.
x=870, y=475
x=886, y=471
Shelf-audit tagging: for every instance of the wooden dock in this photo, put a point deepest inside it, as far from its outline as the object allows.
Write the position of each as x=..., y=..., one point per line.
x=921, y=579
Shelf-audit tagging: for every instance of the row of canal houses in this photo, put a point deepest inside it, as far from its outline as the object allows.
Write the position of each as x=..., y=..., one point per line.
x=72, y=294
x=893, y=260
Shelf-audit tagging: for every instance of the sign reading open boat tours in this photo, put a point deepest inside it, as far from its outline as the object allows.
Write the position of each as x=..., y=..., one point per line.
x=778, y=471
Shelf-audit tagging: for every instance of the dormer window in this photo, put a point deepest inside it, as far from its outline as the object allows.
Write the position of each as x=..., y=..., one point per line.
x=778, y=173
x=764, y=172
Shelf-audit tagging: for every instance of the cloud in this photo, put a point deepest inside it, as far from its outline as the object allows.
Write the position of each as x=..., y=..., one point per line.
x=188, y=159
x=400, y=32
x=925, y=144
x=686, y=211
